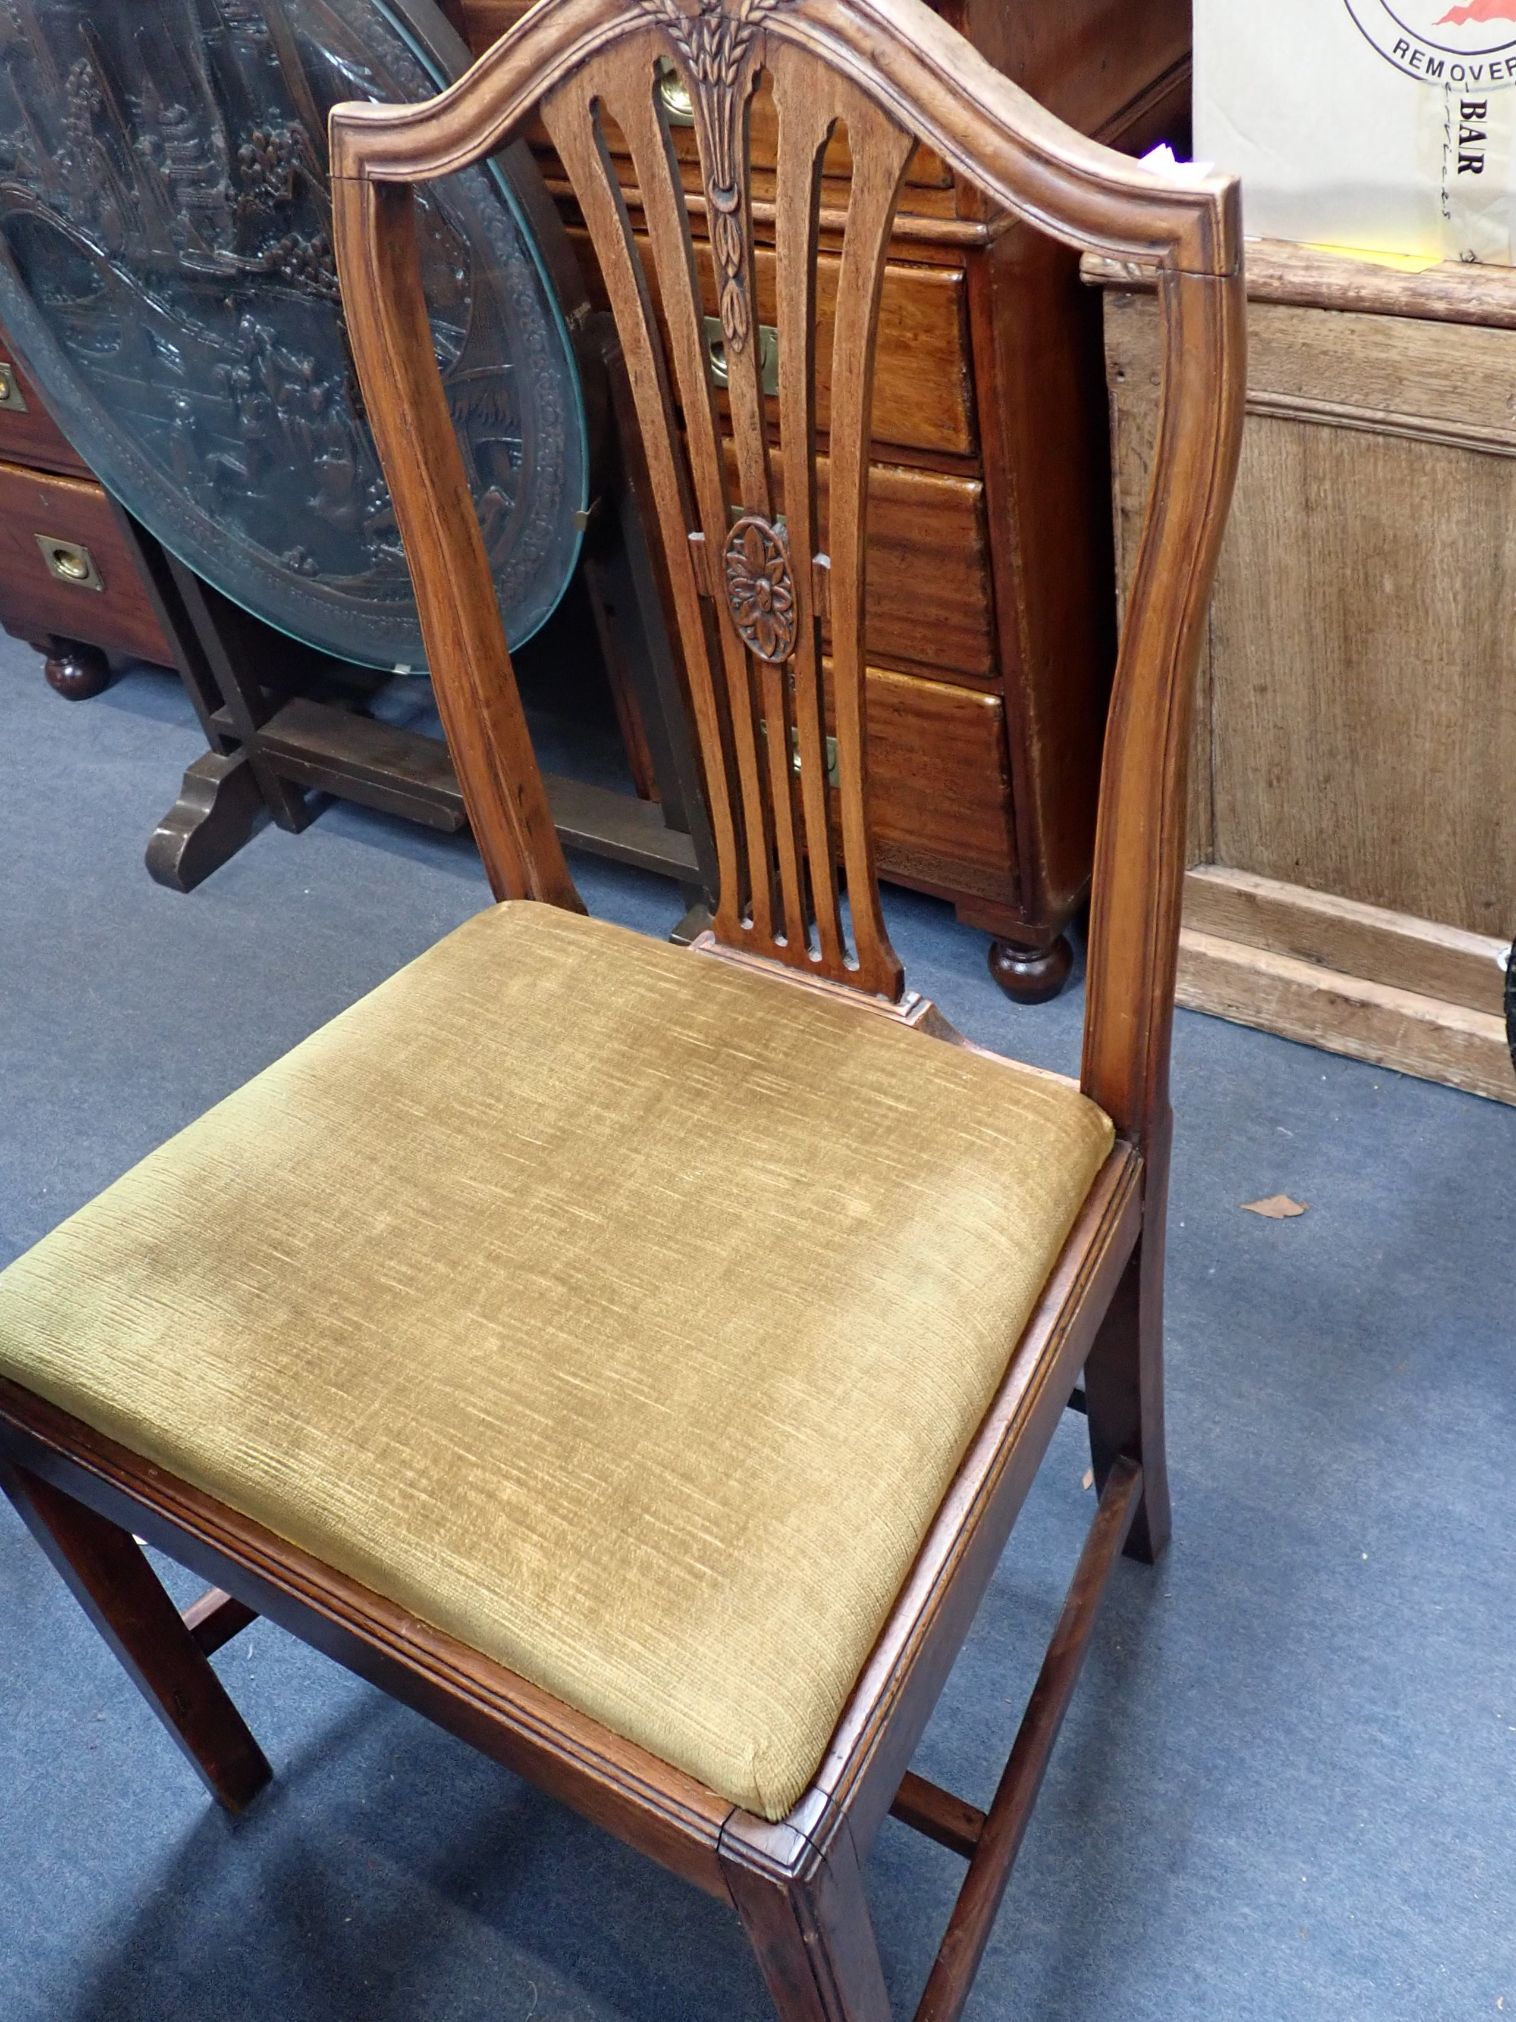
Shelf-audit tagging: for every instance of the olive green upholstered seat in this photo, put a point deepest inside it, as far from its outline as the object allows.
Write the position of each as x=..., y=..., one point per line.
x=612, y=1308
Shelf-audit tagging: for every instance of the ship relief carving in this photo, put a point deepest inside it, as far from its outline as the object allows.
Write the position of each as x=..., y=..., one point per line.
x=166, y=265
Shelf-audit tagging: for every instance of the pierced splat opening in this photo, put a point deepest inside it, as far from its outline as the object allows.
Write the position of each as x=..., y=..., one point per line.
x=758, y=554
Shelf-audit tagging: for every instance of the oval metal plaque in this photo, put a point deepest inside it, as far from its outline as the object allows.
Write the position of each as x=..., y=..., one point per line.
x=166, y=271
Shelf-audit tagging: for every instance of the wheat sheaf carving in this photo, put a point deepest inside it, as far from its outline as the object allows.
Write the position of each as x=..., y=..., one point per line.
x=713, y=45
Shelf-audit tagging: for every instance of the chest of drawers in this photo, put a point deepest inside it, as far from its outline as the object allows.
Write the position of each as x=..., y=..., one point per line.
x=68, y=582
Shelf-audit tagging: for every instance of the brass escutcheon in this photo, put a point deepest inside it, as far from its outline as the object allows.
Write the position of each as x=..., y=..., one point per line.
x=69, y=562
x=768, y=354
x=833, y=770
x=674, y=94
x=11, y=396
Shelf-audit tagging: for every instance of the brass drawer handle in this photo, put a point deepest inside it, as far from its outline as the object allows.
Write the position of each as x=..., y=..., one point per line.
x=69, y=562
x=768, y=354
x=833, y=771
x=11, y=396
x=674, y=94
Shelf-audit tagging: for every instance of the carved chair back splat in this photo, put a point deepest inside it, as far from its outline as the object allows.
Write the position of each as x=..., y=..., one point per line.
x=753, y=572
x=752, y=569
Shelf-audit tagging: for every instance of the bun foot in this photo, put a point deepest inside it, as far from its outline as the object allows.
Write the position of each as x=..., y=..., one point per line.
x=1031, y=975
x=77, y=671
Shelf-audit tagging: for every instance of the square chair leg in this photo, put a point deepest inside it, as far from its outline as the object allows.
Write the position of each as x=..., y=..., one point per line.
x=811, y=1933
x=108, y=1574
x=1123, y=1393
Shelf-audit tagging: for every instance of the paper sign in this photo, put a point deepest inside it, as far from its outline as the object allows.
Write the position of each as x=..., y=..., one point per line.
x=1378, y=125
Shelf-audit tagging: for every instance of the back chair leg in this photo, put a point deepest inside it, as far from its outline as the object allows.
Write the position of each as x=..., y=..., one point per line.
x=1123, y=1393
x=108, y=1574
x=814, y=1939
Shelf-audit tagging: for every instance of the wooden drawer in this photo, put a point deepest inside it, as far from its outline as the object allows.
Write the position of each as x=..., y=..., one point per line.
x=928, y=594
x=923, y=390
x=928, y=598
x=112, y=609
x=940, y=787
x=28, y=434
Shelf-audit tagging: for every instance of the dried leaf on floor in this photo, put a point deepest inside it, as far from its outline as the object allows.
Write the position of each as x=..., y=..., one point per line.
x=1276, y=1208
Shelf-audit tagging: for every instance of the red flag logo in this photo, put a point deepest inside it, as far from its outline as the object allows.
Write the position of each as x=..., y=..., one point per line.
x=1477, y=10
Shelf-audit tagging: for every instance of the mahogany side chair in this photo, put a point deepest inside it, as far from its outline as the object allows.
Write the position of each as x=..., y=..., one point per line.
x=635, y=1357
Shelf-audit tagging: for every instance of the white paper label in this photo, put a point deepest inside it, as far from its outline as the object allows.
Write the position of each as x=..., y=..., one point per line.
x=1386, y=125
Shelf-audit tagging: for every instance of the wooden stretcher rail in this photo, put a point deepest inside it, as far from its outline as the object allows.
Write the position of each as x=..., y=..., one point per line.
x=999, y=1839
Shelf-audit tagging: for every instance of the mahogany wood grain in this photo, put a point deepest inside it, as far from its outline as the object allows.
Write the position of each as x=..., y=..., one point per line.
x=1043, y=428
x=31, y=436
x=927, y=608
x=1010, y=388
x=216, y=1618
x=802, y=1906
x=937, y=1814
x=806, y=505
x=614, y=87
x=772, y=830
x=939, y=785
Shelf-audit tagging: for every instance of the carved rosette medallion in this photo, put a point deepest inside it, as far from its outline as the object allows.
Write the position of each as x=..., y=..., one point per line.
x=760, y=590
x=713, y=46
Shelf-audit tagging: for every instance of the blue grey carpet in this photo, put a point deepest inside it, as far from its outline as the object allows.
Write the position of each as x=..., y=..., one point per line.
x=1287, y=1788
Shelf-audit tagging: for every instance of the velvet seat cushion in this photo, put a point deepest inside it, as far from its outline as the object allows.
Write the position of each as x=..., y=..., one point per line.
x=617, y=1310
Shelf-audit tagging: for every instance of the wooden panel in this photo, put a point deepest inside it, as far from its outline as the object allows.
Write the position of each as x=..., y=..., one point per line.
x=1363, y=705
x=1386, y=374
x=1312, y=278
x=927, y=603
x=922, y=388
x=1355, y=884
x=1420, y=956
x=1346, y=1014
x=1361, y=730
x=34, y=437
x=34, y=603
x=1410, y=994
